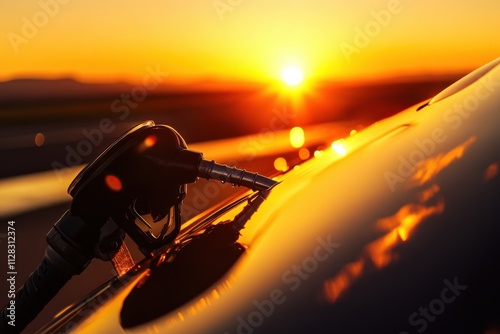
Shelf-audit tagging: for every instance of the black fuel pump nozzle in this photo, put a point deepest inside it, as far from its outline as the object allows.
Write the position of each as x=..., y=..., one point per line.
x=145, y=171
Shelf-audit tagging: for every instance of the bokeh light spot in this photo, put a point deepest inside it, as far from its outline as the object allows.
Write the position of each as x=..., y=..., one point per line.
x=491, y=172
x=339, y=147
x=39, y=139
x=304, y=154
x=297, y=137
x=280, y=164
x=150, y=141
x=113, y=182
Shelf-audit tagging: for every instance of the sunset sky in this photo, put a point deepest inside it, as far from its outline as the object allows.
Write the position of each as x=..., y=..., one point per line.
x=245, y=40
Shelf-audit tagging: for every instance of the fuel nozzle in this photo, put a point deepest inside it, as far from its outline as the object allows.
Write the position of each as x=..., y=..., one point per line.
x=145, y=171
x=240, y=177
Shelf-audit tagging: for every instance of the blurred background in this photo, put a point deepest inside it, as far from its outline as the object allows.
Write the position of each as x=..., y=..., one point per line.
x=257, y=84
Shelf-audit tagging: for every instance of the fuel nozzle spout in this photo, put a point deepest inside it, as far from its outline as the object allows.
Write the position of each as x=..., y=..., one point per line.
x=212, y=170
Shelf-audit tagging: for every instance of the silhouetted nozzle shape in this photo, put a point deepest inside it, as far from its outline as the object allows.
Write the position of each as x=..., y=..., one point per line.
x=212, y=170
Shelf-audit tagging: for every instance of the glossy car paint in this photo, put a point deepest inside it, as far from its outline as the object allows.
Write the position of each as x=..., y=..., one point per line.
x=393, y=230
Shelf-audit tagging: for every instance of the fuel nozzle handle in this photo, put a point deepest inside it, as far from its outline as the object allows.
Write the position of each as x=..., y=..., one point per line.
x=212, y=170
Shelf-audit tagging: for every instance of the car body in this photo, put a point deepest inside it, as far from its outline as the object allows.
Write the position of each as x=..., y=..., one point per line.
x=392, y=230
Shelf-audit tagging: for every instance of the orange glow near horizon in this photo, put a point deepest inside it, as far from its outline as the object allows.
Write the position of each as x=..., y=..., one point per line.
x=114, y=41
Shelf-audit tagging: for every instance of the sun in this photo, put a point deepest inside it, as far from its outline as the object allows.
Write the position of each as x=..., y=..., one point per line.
x=292, y=75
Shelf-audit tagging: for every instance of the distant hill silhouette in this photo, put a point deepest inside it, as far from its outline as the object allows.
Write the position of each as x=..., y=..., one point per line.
x=29, y=90
x=61, y=89
x=27, y=97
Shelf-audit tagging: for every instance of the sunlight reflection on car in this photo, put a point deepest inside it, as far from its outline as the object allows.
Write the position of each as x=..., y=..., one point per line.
x=400, y=226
